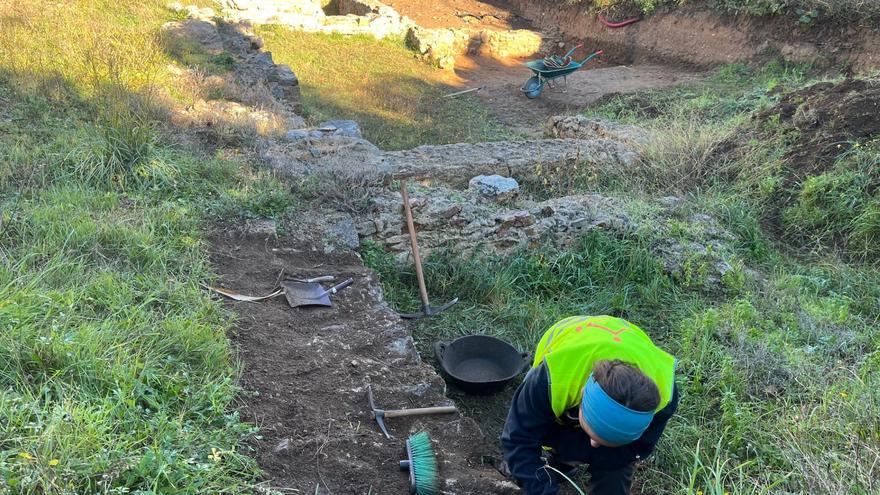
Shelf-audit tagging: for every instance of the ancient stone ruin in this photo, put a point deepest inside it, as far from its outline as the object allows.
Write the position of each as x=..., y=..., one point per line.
x=438, y=46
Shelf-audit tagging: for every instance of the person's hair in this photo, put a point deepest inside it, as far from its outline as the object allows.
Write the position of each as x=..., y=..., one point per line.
x=627, y=385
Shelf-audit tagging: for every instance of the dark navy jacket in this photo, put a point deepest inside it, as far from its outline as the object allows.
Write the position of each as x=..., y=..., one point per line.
x=532, y=424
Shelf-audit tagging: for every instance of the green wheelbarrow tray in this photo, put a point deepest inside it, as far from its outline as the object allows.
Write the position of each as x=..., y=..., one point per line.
x=544, y=75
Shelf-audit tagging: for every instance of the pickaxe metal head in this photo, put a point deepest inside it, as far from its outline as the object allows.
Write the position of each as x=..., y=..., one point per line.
x=382, y=414
x=429, y=311
x=378, y=414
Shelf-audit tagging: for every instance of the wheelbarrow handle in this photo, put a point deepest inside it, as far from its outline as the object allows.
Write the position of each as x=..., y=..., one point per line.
x=591, y=57
x=573, y=49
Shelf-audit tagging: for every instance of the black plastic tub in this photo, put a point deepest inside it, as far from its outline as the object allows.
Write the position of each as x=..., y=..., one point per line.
x=479, y=364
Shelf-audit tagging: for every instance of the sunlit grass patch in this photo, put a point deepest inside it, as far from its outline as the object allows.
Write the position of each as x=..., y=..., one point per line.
x=396, y=99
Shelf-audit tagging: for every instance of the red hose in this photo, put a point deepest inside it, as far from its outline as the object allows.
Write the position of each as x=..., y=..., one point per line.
x=621, y=24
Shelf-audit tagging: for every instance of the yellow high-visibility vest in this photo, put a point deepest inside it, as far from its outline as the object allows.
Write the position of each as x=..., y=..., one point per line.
x=572, y=346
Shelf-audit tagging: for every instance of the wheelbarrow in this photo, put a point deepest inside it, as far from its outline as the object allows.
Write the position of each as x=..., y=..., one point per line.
x=548, y=69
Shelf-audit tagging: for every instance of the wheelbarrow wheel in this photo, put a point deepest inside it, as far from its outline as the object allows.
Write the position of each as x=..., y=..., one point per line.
x=532, y=87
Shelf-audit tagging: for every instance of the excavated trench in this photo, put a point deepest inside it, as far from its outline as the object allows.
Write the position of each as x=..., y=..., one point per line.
x=305, y=371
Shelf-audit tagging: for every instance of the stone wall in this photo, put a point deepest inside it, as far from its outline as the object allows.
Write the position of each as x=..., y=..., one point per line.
x=469, y=222
x=374, y=18
x=367, y=17
x=267, y=99
x=461, y=220
x=442, y=46
x=449, y=164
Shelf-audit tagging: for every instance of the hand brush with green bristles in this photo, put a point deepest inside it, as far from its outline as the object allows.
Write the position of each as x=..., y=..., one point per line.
x=422, y=465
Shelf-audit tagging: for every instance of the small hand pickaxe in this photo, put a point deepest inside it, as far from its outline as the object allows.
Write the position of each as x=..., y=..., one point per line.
x=427, y=310
x=381, y=414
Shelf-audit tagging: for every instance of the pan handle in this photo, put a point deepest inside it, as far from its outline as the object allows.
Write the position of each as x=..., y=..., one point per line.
x=440, y=350
x=527, y=361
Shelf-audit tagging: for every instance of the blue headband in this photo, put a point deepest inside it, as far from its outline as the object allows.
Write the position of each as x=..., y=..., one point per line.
x=611, y=421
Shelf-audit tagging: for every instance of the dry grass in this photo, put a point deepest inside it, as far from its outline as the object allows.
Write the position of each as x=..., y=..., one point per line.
x=396, y=99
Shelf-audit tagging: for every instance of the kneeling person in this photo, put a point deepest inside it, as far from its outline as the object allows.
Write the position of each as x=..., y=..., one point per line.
x=599, y=393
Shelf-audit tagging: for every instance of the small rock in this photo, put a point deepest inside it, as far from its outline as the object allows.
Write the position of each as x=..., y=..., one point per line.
x=262, y=61
x=256, y=42
x=284, y=76
x=262, y=227
x=283, y=445
x=495, y=187
x=671, y=202
x=367, y=228
x=297, y=134
x=450, y=212
x=341, y=128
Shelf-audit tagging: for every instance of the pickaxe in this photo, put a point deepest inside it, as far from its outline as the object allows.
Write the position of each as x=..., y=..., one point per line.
x=381, y=414
x=427, y=310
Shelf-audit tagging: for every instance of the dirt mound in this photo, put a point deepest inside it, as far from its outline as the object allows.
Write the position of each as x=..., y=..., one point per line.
x=695, y=35
x=829, y=117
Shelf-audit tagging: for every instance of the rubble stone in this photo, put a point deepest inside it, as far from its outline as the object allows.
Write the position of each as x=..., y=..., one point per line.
x=495, y=187
x=580, y=127
x=196, y=31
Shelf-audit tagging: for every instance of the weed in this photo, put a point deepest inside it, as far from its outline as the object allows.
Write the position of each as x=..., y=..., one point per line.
x=804, y=12
x=840, y=205
x=123, y=152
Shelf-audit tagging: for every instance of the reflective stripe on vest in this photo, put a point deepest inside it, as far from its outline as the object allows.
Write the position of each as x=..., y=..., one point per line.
x=572, y=346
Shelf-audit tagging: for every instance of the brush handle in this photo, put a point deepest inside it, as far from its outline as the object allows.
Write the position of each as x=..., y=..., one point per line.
x=397, y=413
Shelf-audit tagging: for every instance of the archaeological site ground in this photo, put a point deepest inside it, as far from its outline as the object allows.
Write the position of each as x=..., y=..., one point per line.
x=711, y=173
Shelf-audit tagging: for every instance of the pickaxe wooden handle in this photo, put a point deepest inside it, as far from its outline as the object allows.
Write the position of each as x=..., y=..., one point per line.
x=397, y=413
x=380, y=414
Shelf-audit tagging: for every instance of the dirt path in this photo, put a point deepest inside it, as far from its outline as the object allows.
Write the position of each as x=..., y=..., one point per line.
x=492, y=14
x=501, y=82
x=306, y=371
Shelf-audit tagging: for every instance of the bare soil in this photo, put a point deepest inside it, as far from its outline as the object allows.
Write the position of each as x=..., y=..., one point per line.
x=501, y=81
x=696, y=36
x=829, y=118
x=305, y=373
x=460, y=14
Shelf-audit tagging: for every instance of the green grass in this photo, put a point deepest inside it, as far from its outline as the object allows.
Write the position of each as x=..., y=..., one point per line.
x=115, y=370
x=841, y=204
x=396, y=98
x=706, y=142
x=116, y=375
x=771, y=374
x=779, y=370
